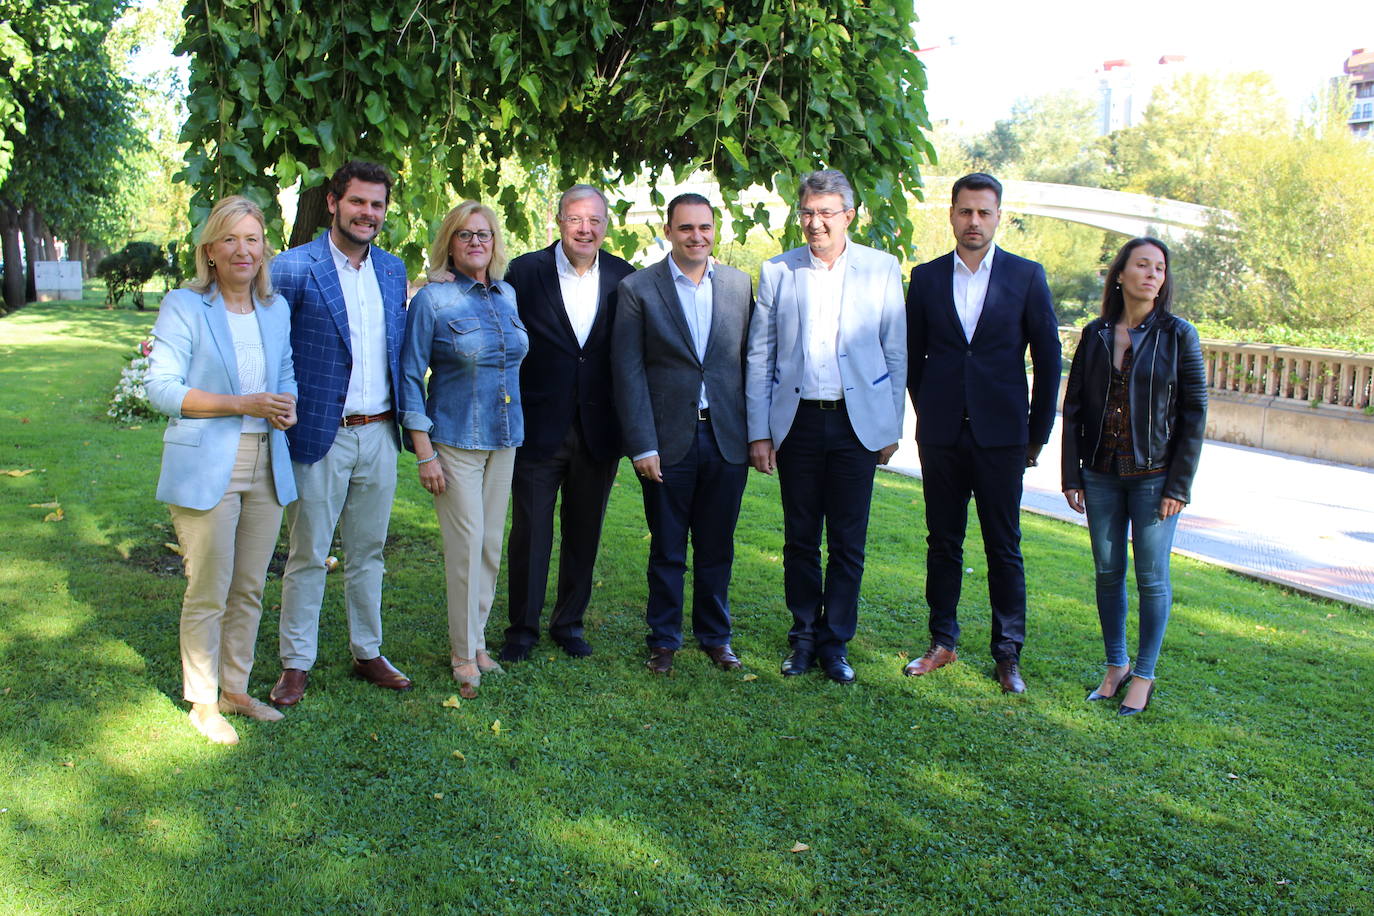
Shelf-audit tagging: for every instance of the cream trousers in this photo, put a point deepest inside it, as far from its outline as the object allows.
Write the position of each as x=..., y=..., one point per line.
x=225, y=552
x=472, y=518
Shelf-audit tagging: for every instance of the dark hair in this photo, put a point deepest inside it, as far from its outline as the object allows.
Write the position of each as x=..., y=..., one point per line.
x=1113, y=303
x=976, y=181
x=688, y=198
x=370, y=172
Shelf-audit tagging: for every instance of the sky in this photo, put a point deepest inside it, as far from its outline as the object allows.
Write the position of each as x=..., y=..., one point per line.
x=982, y=56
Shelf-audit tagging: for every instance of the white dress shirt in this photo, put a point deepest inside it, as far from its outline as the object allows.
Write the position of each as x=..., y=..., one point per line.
x=970, y=291
x=825, y=292
x=697, y=304
x=580, y=293
x=369, y=386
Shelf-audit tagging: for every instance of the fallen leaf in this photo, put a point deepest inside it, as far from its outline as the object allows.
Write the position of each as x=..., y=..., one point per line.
x=24, y=420
x=1232, y=776
x=373, y=736
x=133, y=427
x=1283, y=882
x=459, y=755
x=16, y=472
x=174, y=547
x=799, y=847
x=750, y=677
x=451, y=702
x=68, y=763
x=438, y=796
x=52, y=505
x=55, y=516
x=496, y=727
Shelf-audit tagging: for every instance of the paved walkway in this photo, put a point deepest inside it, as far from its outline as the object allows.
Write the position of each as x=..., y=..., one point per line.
x=1298, y=522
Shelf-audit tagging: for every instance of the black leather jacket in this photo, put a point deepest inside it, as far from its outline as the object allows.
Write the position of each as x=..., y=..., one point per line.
x=1168, y=394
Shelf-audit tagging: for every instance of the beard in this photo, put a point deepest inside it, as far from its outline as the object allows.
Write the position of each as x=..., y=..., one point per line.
x=351, y=236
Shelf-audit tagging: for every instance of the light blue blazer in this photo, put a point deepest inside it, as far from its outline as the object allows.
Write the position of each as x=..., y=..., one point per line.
x=194, y=349
x=871, y=345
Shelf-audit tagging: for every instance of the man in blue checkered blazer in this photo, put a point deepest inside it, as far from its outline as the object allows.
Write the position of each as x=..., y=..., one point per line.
x=347, y=300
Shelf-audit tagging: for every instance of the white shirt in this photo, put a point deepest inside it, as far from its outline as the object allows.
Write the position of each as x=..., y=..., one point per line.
x=825, y=292
x=252, y=364
x=696, y=302
x=970, y=290
x=580, y=292
x=369, y=387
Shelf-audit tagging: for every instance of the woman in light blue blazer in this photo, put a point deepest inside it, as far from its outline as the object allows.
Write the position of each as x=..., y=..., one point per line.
x=221, y=369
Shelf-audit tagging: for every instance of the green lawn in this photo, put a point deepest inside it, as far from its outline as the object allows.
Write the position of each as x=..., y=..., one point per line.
x=1245, y=787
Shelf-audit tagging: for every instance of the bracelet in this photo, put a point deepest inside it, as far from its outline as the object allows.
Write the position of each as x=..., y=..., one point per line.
x=427, y=460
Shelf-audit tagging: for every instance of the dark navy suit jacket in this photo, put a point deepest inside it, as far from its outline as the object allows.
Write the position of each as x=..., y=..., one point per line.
x=560, y=382
x=949, y=376
x=320, y=342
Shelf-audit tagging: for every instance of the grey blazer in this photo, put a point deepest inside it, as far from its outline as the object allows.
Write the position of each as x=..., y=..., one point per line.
x=872, y=345
x=657, y=374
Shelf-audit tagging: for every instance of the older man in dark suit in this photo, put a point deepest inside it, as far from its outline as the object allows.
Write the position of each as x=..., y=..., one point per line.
x=681, y=335
x=566, y=295
x=971, y=315
x=347, y=300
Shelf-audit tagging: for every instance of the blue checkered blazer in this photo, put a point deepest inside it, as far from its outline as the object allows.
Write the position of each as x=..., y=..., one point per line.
x=305, y=276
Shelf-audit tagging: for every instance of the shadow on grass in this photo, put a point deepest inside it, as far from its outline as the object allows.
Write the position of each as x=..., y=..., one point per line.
x=587, y=785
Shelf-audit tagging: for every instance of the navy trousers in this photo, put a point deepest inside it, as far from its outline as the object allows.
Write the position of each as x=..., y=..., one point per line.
x=699, y=496
x=826, y=478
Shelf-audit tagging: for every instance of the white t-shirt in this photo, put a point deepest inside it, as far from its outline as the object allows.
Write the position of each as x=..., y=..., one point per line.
x=252, y=364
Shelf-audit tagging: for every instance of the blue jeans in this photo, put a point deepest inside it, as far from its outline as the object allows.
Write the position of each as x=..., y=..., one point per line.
x=1112, y=502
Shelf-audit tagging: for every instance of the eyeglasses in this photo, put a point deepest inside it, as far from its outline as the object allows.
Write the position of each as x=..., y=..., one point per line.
x=595, y=222
x=481, y=235
x=805, y=214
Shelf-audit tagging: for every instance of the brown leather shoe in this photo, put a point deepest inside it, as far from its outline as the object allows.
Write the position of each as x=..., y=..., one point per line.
x=1009, y=676
x=936, y=657
x=290, y=687
x=379, y=671
x=660, y=660
x=723, y=657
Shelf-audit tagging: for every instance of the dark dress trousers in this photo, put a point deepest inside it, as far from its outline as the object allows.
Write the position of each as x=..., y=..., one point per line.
x=974, y=420
x=572, y=444
x=704, y=463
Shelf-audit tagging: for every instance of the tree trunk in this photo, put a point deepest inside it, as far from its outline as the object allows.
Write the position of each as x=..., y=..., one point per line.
x=76, y=251
x=28, y=225
x=9, y=245
x=312, y=215
x=47, y=241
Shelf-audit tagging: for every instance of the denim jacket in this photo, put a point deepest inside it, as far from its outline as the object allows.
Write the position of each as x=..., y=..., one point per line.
x=471, y=340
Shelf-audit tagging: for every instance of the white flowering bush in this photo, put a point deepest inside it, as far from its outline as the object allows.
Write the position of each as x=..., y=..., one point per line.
x=129, y=402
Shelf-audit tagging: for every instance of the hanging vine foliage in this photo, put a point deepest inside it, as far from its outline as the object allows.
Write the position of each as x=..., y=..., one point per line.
x=444, y=93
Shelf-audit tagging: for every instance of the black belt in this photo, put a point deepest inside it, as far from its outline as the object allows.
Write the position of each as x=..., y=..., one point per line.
x=823, y=405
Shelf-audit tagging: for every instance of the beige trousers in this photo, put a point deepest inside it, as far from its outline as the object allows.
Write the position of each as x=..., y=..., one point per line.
x=225, y=552
x=472, y=518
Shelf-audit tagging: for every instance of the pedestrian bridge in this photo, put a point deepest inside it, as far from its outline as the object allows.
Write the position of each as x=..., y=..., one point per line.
x=1115, y=211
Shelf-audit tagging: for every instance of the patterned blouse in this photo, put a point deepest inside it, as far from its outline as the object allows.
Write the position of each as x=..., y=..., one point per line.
x=1116, y=452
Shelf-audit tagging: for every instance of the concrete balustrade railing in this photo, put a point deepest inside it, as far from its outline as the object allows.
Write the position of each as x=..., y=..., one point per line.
x=1297, y=400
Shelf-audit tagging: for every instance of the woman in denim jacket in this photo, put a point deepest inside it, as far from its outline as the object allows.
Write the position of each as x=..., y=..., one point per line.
x=466, y=424
x=1135, y=412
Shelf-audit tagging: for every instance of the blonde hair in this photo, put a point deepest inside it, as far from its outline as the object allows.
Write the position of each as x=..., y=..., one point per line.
x=224, y=215
x=443, y=239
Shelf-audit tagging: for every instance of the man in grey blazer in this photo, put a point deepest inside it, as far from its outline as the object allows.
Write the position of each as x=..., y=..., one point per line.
x=680, y=336
x=826, y=376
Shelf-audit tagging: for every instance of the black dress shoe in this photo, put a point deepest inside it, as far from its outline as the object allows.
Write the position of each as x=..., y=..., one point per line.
x=837, y=669
x=513, y=652
x=575, y=646
x=799, y=662
x=1124, y=710
x=660, y=660
x=1008, y=674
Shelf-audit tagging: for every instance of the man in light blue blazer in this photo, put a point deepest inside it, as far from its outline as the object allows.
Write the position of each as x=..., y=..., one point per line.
x=826, y=379
x=347, y=301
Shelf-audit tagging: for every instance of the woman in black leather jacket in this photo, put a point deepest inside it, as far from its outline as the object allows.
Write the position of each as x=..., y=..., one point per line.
x=1135, y=412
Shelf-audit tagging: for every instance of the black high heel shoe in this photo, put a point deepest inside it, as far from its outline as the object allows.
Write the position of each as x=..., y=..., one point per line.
x=1125, y=710
x=1094, y=696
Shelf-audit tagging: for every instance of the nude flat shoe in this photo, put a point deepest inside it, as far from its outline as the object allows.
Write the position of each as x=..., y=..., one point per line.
x=214, y=726
x=254, y=710
x=468, y=676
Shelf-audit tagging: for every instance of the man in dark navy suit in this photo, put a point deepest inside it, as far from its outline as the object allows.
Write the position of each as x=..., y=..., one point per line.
x=347, y=300
x=971, y=315
x=566, y=295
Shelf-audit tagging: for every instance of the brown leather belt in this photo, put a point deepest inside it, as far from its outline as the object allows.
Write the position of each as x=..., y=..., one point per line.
x=362, y=419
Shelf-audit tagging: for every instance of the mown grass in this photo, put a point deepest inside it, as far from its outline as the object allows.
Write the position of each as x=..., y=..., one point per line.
x=1244, y=788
